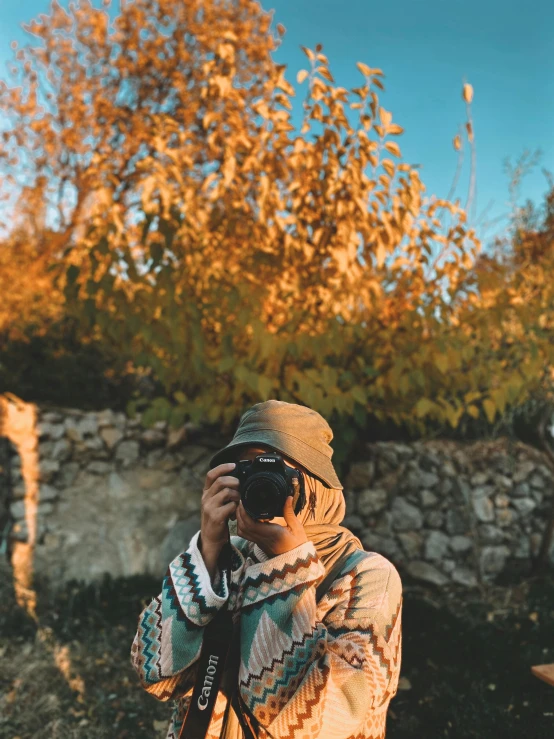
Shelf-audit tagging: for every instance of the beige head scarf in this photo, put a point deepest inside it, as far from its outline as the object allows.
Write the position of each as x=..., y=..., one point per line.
x=322, y=522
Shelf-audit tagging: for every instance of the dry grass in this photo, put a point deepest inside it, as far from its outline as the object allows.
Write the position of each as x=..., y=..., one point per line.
x=71, y=678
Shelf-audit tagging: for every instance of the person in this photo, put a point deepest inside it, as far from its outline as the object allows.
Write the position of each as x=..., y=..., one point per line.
x=302, y=668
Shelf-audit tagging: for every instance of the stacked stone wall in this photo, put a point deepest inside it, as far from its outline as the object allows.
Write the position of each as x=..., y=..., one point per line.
x=116, y=498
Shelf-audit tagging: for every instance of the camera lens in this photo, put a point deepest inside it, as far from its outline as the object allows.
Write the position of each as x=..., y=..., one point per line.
x=264, y=496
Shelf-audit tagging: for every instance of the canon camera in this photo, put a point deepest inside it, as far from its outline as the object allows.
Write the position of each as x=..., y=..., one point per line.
x=265, y=483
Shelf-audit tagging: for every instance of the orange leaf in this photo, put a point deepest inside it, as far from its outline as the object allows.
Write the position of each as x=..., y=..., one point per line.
x=324, y=72
x=393, y=147
x=395, y=129
x=388, y=166
x=385, y=116
x=368, y=71
x=381, y=254
x=467, y=93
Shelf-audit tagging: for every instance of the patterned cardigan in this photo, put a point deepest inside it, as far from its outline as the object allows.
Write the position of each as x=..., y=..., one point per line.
x=326, y=670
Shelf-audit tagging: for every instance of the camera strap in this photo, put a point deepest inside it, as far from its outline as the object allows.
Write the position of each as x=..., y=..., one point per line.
x=211, y=663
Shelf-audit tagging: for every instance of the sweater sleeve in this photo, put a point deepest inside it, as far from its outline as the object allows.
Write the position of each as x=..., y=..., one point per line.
x=299, y=673
x=168, y=640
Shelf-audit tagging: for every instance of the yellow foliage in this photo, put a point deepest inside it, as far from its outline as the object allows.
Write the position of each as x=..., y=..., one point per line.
x=242, y=259
x=29, y=296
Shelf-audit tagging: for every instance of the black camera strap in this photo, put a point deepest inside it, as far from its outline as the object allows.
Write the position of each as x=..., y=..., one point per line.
x=211, y=663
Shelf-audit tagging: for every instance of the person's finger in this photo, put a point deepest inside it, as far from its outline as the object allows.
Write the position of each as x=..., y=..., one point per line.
x=245, y=521
x=242, y=515
x=242, y=526
x=253, y=524
x=224, y=496
x=289, y=514
x=254, y=528
x=212, y=505
x=222, y=514
x=216, y=473
x=223, y=482
x=219, y=493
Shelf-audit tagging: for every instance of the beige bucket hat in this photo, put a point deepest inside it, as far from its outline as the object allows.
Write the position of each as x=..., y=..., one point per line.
x=296, y=431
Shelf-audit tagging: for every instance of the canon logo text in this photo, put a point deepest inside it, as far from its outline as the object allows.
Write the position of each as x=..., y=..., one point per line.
x=208, y=682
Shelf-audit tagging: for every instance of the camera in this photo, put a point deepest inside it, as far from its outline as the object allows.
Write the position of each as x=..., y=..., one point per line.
x=265, y=483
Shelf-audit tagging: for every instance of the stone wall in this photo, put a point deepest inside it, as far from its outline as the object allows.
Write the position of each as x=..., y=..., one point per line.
x=116, y=498
x=448, y=511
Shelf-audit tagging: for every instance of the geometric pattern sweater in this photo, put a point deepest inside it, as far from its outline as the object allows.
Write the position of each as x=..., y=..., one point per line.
x=307, y=669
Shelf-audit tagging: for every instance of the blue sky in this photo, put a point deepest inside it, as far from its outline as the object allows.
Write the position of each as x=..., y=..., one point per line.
x=504, y=48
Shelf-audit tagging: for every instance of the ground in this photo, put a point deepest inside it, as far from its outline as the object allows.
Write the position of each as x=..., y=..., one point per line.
x=465, y=668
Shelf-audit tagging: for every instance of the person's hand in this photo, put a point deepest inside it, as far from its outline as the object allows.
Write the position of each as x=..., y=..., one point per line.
x=220, y=498
x=272, y=538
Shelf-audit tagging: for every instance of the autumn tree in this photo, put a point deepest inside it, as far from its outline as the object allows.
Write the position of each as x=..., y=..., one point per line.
x=237, y=257
x=242, y=259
